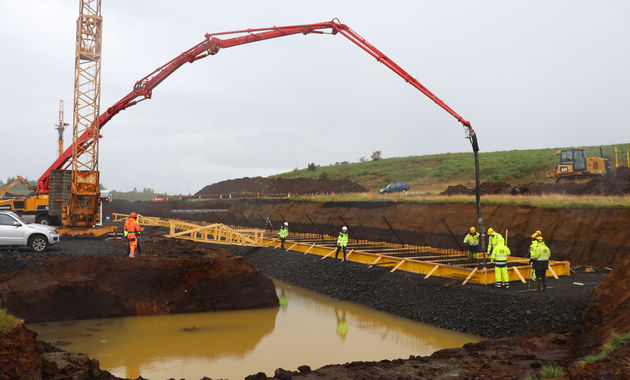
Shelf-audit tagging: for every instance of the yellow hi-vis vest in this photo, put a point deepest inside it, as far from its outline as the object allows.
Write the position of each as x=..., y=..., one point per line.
x=472, y=239
x=542, y=252
x=342, y=240
x=284, y=232
x=500, y=254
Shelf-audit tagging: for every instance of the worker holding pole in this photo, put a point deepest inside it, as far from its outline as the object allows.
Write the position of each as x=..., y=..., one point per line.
x=131, y=231
x=471, y=241
x=532, y=248
x=540, y=259
x=342, y=242
x=283, y=233
x=494, y=238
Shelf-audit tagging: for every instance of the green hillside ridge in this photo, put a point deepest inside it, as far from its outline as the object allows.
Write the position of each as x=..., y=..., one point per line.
x=437, y=171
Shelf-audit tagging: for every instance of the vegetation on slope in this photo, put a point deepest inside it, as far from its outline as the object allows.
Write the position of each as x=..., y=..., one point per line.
x=437, y=171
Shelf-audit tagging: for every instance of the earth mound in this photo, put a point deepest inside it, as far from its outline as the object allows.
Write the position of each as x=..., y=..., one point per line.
x=64, y=288
x=281, y=186
x=619, y=185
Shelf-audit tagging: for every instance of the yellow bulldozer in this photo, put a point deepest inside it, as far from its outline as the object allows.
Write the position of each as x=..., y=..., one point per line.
x=575, y=166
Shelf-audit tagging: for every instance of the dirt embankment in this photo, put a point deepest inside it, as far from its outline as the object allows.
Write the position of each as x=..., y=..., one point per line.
x=92, y=278
x=101, y=286
x=280, y=186
x=588, y=236
x=23, y=357
x=618, y=185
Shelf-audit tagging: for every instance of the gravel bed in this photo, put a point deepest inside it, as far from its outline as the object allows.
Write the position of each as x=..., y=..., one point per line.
x=475, y=309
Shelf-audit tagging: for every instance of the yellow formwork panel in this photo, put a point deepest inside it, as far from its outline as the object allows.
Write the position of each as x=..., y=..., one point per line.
x=221, y=234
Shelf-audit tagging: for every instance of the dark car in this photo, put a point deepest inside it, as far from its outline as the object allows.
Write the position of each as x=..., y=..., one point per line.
x=394, y=186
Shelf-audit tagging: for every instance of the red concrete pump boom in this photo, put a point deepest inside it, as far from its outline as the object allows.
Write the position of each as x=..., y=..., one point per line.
x=211, y=45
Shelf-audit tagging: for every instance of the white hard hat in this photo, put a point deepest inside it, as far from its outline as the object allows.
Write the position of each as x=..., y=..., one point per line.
x=344, y=228
x=286, y=223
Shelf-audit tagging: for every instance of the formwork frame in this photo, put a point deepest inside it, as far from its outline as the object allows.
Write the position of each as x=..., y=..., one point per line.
x=438, y=263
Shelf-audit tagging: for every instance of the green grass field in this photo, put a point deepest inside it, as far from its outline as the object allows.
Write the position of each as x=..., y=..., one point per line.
x=433, y=173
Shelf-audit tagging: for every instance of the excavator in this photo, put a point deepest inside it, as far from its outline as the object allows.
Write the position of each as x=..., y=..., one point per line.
x=211, y=45
x=26, y=204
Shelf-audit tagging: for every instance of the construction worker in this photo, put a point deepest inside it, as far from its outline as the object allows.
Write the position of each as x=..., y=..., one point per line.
x=342, y=242
x=540, y=260
x=283, y=233
x=532, y=248
x=499, y=257
x=471, y=241
x=131, y=231
x=494, y=238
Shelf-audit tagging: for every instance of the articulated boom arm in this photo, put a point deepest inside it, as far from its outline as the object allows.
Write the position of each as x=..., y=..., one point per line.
x=211, y=45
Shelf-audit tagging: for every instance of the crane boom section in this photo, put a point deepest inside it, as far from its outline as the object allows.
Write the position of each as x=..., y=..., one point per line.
x=211, y=45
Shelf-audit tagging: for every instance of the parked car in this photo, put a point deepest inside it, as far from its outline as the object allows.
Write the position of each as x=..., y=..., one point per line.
x=394, y=186
x=14, y=232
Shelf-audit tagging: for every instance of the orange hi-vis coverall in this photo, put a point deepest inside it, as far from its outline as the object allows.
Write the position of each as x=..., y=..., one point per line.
x=132, y=229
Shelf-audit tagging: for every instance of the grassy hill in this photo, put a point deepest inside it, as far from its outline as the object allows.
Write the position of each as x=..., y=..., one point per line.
x=433, y=173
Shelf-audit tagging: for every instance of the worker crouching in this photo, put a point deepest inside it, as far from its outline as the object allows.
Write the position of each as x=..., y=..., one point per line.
x=540, y=262
x=131, y=231
x=499, y=257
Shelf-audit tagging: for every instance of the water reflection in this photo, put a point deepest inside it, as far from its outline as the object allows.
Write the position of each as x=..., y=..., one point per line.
x=307, y=328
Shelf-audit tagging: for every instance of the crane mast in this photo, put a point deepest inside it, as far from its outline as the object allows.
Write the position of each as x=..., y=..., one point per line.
x=81, y=208
x=60, y=127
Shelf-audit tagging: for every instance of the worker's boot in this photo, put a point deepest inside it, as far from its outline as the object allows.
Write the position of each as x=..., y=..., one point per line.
x=538, y=285
x=507, y=285
x=544, y=283
x=498, y=285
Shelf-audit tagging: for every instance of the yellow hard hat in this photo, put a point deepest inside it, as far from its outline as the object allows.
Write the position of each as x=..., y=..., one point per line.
x=490, y=231
x=472, y=230
x=539, y=238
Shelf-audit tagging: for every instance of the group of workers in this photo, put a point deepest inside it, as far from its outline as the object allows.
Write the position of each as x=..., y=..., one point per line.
x=538, y=255
x=342, y=239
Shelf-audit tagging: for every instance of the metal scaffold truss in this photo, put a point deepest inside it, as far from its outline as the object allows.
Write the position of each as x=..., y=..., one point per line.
x=427, y=261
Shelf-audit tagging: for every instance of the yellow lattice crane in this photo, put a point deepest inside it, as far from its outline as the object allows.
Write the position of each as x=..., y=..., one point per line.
x=81, y=210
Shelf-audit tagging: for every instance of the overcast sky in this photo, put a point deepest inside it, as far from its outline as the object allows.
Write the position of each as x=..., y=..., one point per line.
x=526, y=74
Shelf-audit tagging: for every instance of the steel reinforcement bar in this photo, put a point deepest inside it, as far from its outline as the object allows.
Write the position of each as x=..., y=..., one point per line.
x=439, y=262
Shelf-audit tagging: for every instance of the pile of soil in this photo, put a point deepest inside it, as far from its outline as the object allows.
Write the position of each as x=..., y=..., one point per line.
x=23, y=357
x=619, y=185
x=182, y=277
x=280, y=186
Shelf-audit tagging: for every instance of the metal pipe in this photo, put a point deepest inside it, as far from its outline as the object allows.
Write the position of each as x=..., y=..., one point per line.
x=475, y=145
x=314, y=225
x=393, y=230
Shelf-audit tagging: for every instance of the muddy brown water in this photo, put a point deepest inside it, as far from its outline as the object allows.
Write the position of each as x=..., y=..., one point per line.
x=307, y=329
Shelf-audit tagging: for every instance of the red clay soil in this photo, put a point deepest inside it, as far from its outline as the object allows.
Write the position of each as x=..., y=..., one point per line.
x=198, y=278
x=584, y=236
x=23, y=358
x=280, y=186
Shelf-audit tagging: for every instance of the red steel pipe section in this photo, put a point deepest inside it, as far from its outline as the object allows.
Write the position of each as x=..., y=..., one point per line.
x=211, y=45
